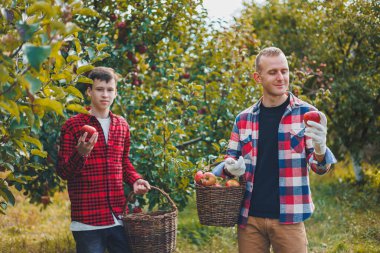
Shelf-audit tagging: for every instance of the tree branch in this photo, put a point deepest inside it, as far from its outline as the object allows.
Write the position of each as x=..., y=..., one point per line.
x=187, y=143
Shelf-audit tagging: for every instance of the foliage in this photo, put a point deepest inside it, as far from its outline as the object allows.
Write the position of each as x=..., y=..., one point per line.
x=180, y=81
x=37, y=91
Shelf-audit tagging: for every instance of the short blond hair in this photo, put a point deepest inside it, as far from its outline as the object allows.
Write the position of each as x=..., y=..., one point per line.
x=268, y=51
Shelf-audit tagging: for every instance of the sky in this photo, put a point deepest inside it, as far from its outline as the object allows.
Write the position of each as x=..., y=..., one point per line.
x=224, y=9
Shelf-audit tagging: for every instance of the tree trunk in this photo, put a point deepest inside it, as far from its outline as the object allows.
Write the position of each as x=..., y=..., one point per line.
x=358, y=170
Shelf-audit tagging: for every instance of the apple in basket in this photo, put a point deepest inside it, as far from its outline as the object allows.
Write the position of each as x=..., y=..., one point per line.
x=232, y=183
x=198, y=177
x=137, y=209
x=208, y=179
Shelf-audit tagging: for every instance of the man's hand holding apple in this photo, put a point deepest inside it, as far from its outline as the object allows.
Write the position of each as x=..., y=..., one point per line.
x=317, y=131
x=84, y=147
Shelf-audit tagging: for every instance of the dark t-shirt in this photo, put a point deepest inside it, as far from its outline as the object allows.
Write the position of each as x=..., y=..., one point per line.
x=265, y=201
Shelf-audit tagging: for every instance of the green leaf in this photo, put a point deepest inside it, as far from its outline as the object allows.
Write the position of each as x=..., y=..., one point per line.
x=40, y=153
x=78, y=46
x=74, y=91
x=50, y=104
x=99, y=47
x=77, y=108
x=7, y=195
x=20, y=145
x=8, y=166
x=12, y=108
x=3, y=206
x=85, y=68
x=26, y=31
x=35, y=83
x=86, y=12
x=100, y=57
x=32, y=140
x=40, y=6
x=216, y=147
x=72, y=28
x=198, y=87
x=72, y=58
x=36, y=54
x=83, y=79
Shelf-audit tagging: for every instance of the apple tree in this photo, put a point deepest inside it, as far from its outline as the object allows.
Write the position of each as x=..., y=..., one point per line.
x=39, y=52
x=176, y=90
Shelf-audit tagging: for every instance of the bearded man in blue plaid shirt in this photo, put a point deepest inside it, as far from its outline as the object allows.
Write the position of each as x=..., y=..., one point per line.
x=274, y=149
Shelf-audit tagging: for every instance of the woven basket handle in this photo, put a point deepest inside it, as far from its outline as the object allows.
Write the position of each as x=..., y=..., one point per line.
x=131, y=196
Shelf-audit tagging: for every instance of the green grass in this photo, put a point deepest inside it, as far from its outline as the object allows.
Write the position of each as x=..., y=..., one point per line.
x=346, y=219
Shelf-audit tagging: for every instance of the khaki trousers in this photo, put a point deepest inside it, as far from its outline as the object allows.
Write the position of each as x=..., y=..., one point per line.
x=261, y=233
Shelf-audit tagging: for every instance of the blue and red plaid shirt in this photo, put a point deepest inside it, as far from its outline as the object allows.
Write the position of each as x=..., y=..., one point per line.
x=95, y=182
x=296, y=157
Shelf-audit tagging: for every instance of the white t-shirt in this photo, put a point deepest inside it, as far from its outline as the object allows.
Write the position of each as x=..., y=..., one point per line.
x=78, y=226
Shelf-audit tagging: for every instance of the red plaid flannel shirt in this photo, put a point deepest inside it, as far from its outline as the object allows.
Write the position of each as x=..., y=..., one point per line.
x=95, y=182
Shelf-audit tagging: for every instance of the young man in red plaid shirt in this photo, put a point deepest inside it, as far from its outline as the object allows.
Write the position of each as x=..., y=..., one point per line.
x=271, y=146
x=96, y=169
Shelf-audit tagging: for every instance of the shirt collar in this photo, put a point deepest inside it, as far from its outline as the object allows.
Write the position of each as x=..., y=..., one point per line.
x=293, y=102
x=90, y=117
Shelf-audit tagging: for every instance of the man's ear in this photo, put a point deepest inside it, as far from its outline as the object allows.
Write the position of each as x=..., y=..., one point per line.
x=88, y=91
x=257, y=77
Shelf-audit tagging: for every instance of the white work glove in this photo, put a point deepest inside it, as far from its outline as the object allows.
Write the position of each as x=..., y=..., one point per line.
x=236, y=168
x=317, y=132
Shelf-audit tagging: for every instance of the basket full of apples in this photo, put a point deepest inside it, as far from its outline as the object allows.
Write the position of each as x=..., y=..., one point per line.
x=218, y=200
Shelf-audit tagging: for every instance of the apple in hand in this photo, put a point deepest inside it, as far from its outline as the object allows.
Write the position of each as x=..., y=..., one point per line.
x=312, y=116
x=232, y=182
x=208, y=179
x=89, y=129
x=198, y=177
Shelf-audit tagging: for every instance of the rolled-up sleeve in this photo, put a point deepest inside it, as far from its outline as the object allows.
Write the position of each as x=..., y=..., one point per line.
x=323, y=166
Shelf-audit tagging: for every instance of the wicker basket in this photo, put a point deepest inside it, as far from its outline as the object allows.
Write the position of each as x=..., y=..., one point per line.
x=219, y=206
x=152, y=232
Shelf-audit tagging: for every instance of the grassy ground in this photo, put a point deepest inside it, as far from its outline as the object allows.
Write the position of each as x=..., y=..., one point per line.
x=346, y=220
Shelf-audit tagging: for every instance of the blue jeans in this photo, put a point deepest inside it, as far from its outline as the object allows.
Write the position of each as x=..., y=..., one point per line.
x=97, y=241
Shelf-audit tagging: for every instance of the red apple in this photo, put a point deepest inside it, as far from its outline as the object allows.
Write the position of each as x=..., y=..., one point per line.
x=203, y=110
x=198, y=177
x=113, y=17
x=135, y=82
x=132, y=57
x=142, y=48
x=313, y=116
x=208, y=179
x=137, y=209
x=186, y=75
x=232, y=183
x=121, y=25
x=45, y=200
x=89, y=129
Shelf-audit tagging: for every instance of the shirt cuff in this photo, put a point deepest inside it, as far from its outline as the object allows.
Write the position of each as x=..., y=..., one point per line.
x=328, y=159
x=78, y=160
x=218, y=170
